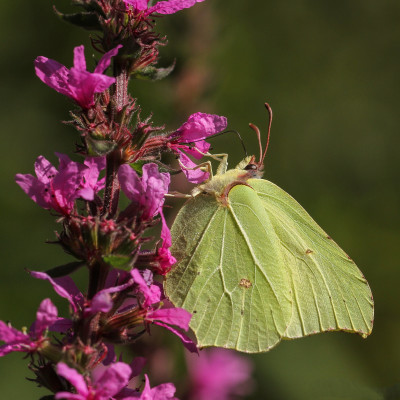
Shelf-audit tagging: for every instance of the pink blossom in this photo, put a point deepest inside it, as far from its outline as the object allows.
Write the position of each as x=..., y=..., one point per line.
x=76, y=83
x=104, y=383
x=58, y=189
x=164, y=391
x=190, y=138
x=66, y=288
x=161, y=7
x=91, y=184
x=33, y=340
x=170, y=317
x=147, y=192
x=219, y=374
x=151, y=293
x=164, y=257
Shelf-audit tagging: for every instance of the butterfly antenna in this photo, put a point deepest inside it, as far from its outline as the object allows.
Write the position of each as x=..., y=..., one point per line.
x=267, y=106
x=257, y=131
x=221, y=133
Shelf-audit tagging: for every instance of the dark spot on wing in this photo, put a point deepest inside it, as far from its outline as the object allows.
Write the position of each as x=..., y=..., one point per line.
x=328, y=237
x=309, y=251
x=245, y=283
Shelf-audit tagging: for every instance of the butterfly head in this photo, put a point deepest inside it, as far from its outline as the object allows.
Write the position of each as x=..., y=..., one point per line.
x=253, y=168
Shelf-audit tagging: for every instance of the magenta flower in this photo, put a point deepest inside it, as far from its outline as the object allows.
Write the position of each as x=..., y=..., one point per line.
x=76, y=83
x=219, y=374
x=161, y=7
x=190, y=138
x=33, y=340
x=147, y=192
x=164, y=257
x=105, y=382
x=169, y=318
x=58, y=189
x=66, y=288
x=91, y=184
x=151, y=293
x=165, y=391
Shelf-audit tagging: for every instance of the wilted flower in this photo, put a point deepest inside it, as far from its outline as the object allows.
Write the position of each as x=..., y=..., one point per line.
x=76, y=83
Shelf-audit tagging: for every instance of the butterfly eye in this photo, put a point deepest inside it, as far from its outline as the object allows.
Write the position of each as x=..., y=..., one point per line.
x=251, y=167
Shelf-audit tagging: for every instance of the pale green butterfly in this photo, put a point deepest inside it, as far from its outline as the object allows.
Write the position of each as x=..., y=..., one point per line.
x=254, y=268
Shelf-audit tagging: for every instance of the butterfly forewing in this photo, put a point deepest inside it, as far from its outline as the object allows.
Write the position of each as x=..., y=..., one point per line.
x=227, y=273
x=329, y=291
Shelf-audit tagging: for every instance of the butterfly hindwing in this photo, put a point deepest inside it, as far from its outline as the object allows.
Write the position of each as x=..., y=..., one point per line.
x=329, y=291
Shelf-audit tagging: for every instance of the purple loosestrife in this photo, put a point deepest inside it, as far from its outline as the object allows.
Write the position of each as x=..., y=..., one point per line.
x=104, y=383
x=161, y=7
x=190, y=139
x=146, y=193
x=219, y=374
x=58, y=189
x=124, y=259
x=35, y=339
x=77, y=83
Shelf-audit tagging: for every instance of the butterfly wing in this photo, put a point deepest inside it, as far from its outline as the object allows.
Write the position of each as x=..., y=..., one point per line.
x=329, y=291
x=229, y=273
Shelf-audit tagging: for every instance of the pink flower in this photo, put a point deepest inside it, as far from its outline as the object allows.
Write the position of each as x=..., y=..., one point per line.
x=33, y=340
x=105, y=382
x=66, y=288
x=161, y=7
x=164, y=391
x=76, y=83
x=170, y=317
x=146, y=193
x=91, y=184
x=219, y=374
x=164, y=257
x=151, y=293
x=190, y=139
x=58, y=189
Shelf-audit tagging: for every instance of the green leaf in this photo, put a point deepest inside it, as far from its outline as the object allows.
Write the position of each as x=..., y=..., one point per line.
x=99, y=147
x=119, y=261
x=254, y=268
x=153, y=73
x=87, y=20
x=66, y=269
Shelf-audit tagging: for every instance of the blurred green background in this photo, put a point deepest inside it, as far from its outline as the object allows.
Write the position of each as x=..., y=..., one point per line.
x=329, y=71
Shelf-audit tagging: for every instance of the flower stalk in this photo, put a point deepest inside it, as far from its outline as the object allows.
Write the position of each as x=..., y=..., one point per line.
x=121, y=154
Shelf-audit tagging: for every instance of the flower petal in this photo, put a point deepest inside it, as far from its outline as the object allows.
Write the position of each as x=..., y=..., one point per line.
x=46, y=316
x=112, y=380
x=173, y=316
x=79, y=58
x=105, y=61
x=53, y=74
x=196, y=175
x=172, y=6
x=74, y=377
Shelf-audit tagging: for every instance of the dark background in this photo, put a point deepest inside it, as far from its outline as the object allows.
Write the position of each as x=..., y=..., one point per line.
x=329, y=71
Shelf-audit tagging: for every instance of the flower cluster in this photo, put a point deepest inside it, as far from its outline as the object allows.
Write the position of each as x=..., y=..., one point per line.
x=74, y=356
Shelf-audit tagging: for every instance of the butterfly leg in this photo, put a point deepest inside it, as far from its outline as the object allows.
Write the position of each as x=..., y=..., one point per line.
x=178, y=195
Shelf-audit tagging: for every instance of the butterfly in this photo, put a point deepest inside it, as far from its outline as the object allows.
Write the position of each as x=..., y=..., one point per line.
x=254, y=268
